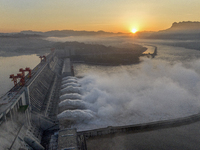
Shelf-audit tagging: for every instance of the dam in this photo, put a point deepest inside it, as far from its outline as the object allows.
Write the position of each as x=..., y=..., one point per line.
x=34, y=111
x=35, y=104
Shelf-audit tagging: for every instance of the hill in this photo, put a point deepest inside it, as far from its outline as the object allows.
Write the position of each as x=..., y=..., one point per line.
x=179, y=31
x=184, y=26
x=58, y=33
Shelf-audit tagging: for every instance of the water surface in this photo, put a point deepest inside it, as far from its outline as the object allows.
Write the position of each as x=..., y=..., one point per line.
x=11, y=65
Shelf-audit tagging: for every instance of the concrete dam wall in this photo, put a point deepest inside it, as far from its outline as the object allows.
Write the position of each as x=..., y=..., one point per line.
x=141, y=127
x=39, y=88
x=34, y=102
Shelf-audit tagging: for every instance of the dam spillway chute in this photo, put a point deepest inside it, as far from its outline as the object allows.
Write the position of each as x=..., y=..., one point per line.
x=76, y=115
x=70, y=84
x=71, y=89
x=69, y=81
x=70, y=96
x=69, y=77
x=72, y=104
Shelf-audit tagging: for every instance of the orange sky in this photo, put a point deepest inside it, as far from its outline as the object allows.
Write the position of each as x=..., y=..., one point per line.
x=107, y=15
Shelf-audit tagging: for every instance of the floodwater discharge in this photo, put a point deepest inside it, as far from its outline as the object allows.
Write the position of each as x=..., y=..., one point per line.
x=163, y=88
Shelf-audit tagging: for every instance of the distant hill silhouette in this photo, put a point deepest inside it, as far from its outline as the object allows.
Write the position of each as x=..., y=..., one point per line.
x=59, y=33
x=185, y=30
x=65, y=33
x=185, y=26
x=19, y=35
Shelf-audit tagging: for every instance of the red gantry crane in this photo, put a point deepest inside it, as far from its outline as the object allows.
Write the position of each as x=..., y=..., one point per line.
x=24, y=70
x=20, y=76
x=14, y=79
x=43, y=58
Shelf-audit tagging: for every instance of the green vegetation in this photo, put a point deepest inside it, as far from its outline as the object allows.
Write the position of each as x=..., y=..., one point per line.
x=104, y=55
x=23, y=108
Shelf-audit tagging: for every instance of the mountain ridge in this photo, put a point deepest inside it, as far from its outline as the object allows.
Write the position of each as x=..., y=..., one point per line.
x=185, y=25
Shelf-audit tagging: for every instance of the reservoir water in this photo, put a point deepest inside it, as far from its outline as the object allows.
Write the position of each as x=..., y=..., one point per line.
x=11, y=65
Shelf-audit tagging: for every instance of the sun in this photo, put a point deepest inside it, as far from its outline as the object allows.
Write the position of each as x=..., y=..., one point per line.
x=134, y=30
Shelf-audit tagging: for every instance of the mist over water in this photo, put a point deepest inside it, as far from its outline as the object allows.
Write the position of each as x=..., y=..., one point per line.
x=154, y=90
x=105, y=40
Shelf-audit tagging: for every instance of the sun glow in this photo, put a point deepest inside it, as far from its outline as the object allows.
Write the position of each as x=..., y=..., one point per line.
x=134, y=30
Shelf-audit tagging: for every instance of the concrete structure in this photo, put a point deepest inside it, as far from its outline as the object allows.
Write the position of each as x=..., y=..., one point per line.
x=142, y=127
x=185, y=137
x=36, y=101
x=67, y=139
x=66, y=71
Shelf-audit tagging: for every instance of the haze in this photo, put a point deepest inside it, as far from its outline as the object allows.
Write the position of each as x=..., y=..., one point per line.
x=110, y=16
